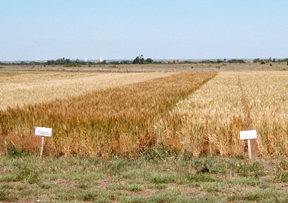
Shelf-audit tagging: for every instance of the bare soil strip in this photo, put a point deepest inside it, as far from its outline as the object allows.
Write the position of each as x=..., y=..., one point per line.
x=248, y=120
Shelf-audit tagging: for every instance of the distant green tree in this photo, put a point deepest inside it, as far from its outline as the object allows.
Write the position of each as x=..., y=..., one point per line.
x=50, y=62
x=139, y=60
x=256, y=60
x=236, y=61
x=62, y=61
x=149, y=60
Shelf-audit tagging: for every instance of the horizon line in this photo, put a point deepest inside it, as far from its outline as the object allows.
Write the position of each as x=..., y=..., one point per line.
x=171, y=59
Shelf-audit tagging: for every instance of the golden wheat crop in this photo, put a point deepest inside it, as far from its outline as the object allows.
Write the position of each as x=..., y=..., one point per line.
x=18, y=90
x=180, y=112
x=267, y=96
x=112, y=121
x=209, y=120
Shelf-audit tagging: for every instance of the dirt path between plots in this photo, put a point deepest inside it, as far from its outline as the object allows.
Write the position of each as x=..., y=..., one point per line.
x=248, y=120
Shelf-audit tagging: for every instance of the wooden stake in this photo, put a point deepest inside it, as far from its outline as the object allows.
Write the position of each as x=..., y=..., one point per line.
x=249, y=149
x=42, y=146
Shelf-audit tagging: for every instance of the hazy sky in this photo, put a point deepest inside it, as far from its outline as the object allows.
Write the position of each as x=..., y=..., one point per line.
x=159, y=29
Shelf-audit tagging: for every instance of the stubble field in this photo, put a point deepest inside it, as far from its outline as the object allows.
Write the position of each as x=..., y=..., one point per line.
x=168, y=117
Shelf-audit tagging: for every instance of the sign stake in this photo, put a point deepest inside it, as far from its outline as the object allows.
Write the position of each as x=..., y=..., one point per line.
x=43, y=132
x=248, y=135
x=42, y=147
x=249, y=149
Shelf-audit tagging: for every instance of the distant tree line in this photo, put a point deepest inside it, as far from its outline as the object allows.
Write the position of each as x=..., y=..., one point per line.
x=138, y=60
x=270, y=60
x=66, y=62
x=141, y=60
x=283, y=60
x=77, y=63
x=224, y=61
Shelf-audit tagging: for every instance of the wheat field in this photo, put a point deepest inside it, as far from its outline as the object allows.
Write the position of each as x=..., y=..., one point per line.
x=100, y=123
x=192, y=112
x=267, y=94
x=18, y=90
x=210, y=119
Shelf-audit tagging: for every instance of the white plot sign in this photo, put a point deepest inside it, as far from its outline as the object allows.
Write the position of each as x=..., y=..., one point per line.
x=248, y=135
x=43, y=132
x=46, y=132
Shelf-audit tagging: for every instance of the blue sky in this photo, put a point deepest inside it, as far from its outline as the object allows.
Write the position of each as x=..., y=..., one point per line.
x=159, y=29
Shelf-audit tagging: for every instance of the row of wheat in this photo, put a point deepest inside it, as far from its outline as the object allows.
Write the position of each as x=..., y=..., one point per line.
x=108, y=122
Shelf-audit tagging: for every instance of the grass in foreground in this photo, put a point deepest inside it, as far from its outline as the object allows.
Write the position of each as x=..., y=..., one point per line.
x=149, y=178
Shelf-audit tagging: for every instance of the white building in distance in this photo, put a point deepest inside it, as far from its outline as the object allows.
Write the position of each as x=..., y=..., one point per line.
x=101, y=59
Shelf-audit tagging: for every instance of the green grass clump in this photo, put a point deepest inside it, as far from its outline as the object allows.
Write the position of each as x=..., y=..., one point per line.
x=131, y=188
x=160, y=178
x=258, y=195
x=5, y=196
